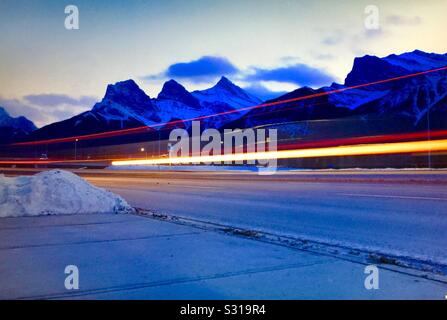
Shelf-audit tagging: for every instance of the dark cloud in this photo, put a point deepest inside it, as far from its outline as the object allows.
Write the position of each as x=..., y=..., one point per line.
x=397, y=20
x=52, y=100
x=203, y=69
x=299, y=74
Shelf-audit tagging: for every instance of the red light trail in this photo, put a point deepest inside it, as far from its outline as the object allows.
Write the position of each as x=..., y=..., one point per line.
x=316, y=145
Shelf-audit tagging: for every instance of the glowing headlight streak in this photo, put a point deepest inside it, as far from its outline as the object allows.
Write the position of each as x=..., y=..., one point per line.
x=355, y=150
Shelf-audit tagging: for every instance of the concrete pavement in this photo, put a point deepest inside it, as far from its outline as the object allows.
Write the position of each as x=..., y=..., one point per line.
x=133, y=257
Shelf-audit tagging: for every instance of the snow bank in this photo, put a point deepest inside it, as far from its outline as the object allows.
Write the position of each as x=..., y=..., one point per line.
x=55, y=192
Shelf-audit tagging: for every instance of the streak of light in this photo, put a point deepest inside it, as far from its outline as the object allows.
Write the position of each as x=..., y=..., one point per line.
x=354, y=150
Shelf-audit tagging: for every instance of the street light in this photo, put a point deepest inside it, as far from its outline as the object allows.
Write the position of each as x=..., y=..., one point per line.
x=143, y=150
x=76, y=151
x=429, y=136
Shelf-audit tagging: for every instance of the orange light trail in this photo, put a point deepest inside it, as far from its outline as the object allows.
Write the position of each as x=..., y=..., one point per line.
x=354, y=150
x=390, y=138
x=365, y=140
x=143, y=129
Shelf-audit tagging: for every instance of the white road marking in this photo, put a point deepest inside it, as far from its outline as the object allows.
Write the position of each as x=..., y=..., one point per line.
x=391, y=197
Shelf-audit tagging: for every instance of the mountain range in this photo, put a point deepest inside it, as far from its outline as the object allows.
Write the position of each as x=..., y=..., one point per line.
x=125, y=106
x=395, y=106
x=14, y=128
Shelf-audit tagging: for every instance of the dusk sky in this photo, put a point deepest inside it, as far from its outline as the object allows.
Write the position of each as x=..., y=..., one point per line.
x=49, y=73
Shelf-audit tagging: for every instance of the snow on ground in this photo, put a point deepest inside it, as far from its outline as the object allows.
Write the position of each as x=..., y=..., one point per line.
x=55, y=192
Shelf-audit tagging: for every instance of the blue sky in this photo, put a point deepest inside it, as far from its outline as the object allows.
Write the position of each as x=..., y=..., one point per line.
x=50, y=73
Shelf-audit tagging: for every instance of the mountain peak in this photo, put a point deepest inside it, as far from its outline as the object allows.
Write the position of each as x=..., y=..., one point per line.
x=226, y=92
x=3, y=113
x=127, y=88
x=172, y=90
x=125, y=93
x=371, y=68
x=225, y=83
x=125, y=100
x=21, y=122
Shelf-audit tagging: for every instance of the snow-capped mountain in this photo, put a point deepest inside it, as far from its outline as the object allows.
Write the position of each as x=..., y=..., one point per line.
x=226, y=92
x=394, y=106
x=175, y=102
x=410, y=98
x=175, y=92
x=125, y=101
x=389, y=107
x=125, y=105
x=11, y=128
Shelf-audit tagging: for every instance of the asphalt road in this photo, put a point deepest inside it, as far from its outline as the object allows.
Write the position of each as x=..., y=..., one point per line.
x=391, y=213
x=396, y=213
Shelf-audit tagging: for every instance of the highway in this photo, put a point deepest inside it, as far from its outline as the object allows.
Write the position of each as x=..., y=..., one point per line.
x=401, y=213
x=393, y=217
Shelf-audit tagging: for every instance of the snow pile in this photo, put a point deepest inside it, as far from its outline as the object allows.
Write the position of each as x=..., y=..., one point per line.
x=55, y=192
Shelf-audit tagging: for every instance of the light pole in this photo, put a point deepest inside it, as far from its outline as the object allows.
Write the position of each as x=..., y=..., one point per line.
x=428, y=136
x=144, y=150
x=159, y=149
x=76, y=150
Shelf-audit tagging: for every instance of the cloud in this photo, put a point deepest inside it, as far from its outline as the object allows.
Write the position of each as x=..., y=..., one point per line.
x=397, y=20
x=323, y=56
x=299, y=74
x=289, y=60
x=373, y=33
x=332, y=40
x=44, y=109
x=331, y=37
x=262, y=92
x=52, y=100
x=204, y=69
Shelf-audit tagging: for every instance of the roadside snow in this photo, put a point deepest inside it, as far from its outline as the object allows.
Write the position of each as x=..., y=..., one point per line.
x=55, y=192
